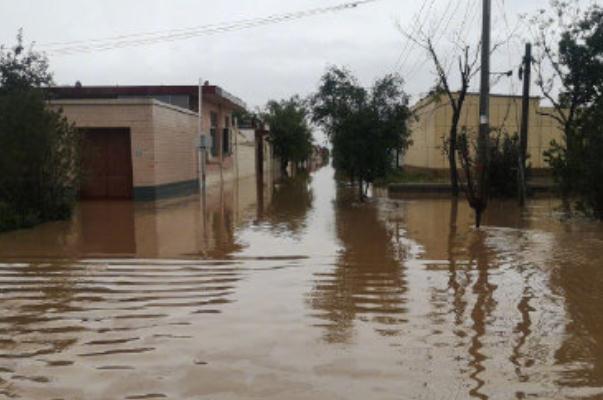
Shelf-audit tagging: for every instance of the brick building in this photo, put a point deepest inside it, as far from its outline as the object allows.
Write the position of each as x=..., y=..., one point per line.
x=142, y=142
x=434, y=120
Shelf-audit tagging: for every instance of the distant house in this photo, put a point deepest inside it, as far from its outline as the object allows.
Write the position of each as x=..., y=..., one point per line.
x=434, y=121
x=142, y=142
x=255, y=134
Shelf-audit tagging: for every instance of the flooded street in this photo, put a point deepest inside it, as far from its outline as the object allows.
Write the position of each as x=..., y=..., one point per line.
x=298, y=292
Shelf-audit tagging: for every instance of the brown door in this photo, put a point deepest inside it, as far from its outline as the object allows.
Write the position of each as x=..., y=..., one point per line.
x=106, y=163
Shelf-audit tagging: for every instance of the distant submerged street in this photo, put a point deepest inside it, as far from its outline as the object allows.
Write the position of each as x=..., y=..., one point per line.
x=302, y=292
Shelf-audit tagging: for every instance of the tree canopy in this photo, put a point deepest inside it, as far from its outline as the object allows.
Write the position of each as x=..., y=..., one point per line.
x=39, y=163
x=570, y=75
x=290, y=132
x=365, y=126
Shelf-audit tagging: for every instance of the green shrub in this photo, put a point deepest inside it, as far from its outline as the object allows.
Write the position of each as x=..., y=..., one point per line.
x=39, y=167
x=578, y=168
x=504, y=152
x=504, y=164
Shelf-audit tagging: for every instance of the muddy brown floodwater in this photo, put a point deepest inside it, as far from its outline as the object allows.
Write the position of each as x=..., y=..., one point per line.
x=298, y=292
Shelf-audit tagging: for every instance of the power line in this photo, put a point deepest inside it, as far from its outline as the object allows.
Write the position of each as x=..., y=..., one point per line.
x=511, y=64
x=417, y=27
x=186, y=33
x=147, y=38
x=460, y=34
x=439, y=23
x=409, y=43
x=434, y=33
x=467, y=17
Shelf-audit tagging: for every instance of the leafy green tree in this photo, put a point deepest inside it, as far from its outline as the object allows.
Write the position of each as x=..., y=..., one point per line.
x=569, y=68
x=365, y=127
x=579, y=168
x=290, y=132
x=244, y=118
x=39, y=163
x=589, y=148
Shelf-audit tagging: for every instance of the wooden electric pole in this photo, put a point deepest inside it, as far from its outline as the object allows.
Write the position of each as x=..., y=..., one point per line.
x=484, y=118
x=525, y=120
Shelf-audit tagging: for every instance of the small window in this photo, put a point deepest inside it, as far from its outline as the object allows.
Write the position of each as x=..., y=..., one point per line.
x=213, y=131
x=226, y=141
x=226, y=137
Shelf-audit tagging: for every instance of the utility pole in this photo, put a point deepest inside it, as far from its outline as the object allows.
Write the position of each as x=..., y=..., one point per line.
x=525, y=114
x=202, y=140
x=484, y=118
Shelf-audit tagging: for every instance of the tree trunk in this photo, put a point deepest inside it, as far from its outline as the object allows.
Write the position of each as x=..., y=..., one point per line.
x=360, y=191
x=567, y=185
x=397, y=159
x=478, y=217
x=454, y=176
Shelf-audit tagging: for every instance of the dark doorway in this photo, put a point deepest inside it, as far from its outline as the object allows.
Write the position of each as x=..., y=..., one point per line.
x=106, y=164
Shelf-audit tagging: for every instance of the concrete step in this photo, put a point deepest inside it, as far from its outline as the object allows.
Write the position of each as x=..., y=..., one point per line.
x=535, y=187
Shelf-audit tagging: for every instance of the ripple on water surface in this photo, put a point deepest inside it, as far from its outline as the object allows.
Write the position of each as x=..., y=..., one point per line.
x=60, y=320
x=304, y=294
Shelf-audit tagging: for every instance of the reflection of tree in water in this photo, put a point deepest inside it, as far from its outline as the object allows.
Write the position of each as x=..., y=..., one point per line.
x=292, y=198
x=463, y=303
x=367, y=283
x=457, y=280
x=222, y=230
x=514, y=255
x=482, y=310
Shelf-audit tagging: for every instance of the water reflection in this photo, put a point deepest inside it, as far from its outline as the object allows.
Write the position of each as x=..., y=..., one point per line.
x=291, y=200
x=367, y=282
x=203, y=225
x=482, y=310
x=99, y=220
x=121, y=310
x=112, y=316
x=297, y=291
x=514, y=290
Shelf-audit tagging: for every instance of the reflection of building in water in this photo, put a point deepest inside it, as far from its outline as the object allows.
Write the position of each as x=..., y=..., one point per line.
x=106, y=228
x=203, y=225
x=501, y=300
x=368, y=281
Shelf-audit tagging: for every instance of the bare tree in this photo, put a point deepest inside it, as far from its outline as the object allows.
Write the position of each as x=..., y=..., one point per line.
x=552, y=75
x=468, y=67
x=466, y=150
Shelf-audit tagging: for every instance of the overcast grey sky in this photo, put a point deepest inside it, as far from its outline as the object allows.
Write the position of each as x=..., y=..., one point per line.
x=262, y=63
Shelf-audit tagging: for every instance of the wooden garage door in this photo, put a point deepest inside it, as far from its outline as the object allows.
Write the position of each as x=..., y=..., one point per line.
x=106, y=163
